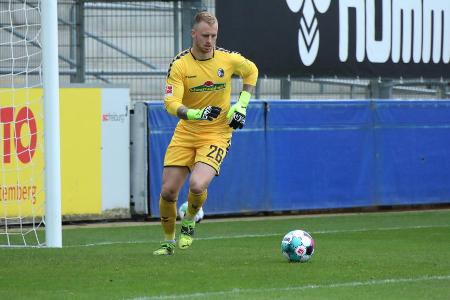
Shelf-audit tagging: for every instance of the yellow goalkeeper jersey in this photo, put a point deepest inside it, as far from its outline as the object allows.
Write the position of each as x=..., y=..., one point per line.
x=199, y=83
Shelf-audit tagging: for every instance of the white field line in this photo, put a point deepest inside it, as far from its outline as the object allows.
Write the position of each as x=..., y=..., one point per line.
x=256, y=218
x=234, y=292
x=241, y=236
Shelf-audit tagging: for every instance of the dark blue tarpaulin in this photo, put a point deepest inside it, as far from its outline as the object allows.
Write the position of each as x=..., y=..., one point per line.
x=321, y=154
x=296, y=155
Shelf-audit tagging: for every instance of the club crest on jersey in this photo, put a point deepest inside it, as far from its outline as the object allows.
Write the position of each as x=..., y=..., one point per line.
x=169, y=90
x=208, y=86
x=220, y=72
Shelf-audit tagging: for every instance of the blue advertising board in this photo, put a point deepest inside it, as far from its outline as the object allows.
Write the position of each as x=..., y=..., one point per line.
x=301, y=155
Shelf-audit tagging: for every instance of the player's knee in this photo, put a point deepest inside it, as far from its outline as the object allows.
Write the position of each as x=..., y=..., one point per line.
x=169, y=194
x=197, y=187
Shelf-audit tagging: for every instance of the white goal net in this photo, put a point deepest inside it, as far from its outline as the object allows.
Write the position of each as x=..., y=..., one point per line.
x=22, y=196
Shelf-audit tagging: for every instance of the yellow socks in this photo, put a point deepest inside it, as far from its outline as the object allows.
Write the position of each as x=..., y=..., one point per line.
x=195, y=202
x=168, y=213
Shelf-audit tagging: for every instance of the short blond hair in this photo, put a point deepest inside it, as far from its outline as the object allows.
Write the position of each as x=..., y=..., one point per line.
x=204, y=16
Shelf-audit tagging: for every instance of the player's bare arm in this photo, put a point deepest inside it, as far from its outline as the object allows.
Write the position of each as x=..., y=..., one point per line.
x=182, y=112
x=249, y=88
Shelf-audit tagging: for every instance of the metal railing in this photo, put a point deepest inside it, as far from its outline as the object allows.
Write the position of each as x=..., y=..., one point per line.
x=133, y=43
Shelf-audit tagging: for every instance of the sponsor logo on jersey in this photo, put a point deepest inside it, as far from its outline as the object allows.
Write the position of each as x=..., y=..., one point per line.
x=169, y=90
x=208, y=86
x=220, y=72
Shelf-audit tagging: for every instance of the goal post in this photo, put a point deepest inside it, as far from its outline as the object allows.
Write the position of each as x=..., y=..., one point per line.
x=30, y=168
x=50, y=73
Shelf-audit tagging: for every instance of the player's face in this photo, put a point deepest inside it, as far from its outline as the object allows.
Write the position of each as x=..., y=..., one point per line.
x=204, y=37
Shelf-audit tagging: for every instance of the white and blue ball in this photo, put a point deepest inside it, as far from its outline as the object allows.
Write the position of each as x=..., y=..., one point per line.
x=183, y=209
x=297, y=246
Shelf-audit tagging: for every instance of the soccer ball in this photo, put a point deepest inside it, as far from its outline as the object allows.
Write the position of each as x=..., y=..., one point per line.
x=297, y=246
x=182, y=212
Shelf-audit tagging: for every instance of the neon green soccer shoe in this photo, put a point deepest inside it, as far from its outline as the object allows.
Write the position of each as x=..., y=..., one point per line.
x=187, y=233
x=166, y=248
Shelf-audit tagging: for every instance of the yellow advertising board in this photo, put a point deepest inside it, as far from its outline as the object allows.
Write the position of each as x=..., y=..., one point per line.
x=22, y=191
x=81, y=150
x=22, y=159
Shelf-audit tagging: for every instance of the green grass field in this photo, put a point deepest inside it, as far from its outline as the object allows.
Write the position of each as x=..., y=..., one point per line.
x=396, y=255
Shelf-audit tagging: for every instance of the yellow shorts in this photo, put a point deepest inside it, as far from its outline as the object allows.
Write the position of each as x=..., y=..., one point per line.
x=187, y=148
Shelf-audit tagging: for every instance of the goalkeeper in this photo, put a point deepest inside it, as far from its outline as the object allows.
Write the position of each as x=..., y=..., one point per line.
x=198, y=89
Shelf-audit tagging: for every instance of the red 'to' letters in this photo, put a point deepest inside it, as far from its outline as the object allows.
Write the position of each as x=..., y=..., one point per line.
x=24, y=117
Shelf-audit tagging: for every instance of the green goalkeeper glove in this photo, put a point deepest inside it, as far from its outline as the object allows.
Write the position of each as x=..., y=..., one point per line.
x=207, y=113
x=238, y=111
